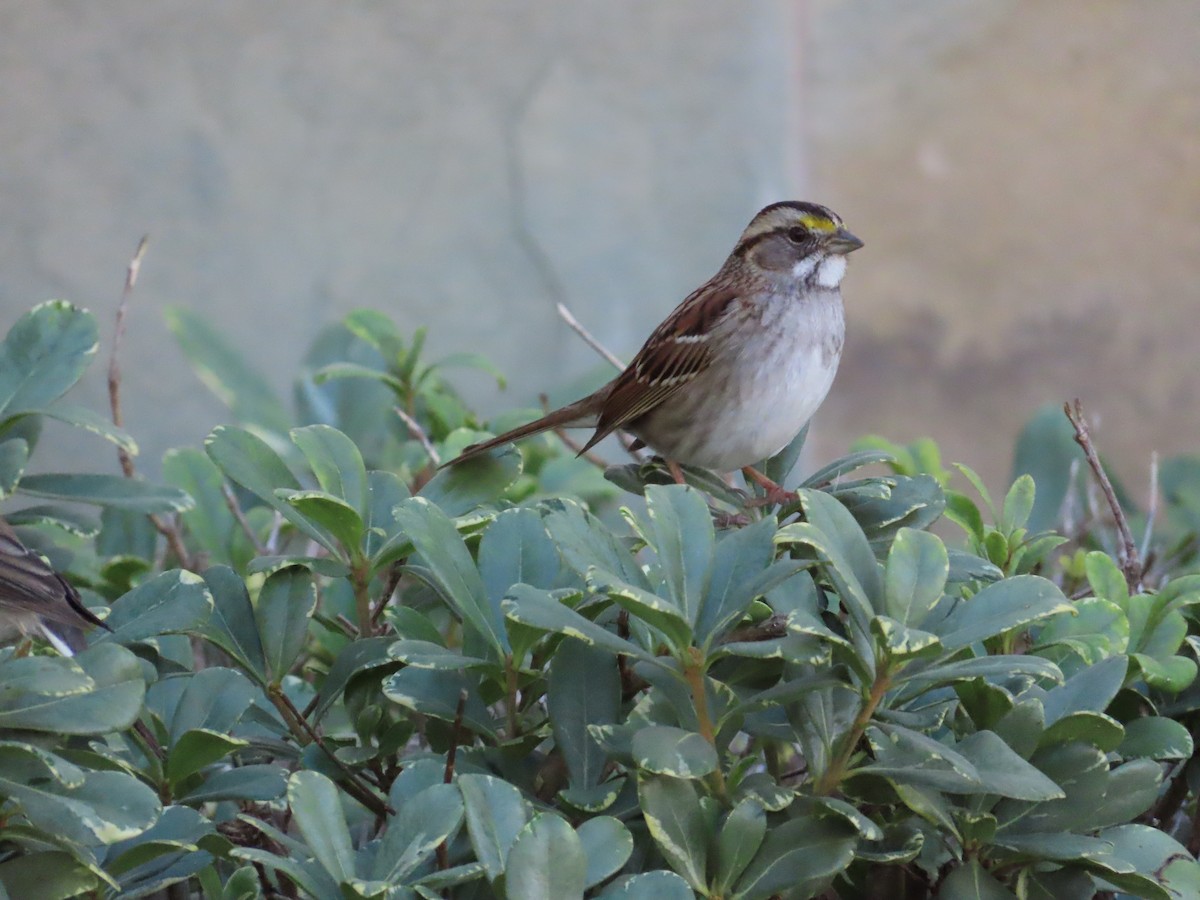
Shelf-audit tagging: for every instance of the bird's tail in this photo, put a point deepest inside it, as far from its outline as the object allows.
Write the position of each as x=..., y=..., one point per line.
x=580, y=414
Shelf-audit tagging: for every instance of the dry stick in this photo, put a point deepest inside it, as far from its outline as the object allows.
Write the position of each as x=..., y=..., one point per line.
x=236, y=509
x=168, y=529
x=354, y=785
x=587, y=336
x=395, y=573
x=1131, y=564
x=418, y=432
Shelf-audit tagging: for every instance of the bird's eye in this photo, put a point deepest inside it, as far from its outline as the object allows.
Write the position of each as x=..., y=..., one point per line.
x=797, y=235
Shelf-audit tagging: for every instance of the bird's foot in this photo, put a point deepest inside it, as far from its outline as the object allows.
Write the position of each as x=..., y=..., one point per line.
x=776, y=494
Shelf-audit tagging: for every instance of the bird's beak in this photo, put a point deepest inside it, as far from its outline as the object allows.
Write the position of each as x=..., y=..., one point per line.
x=842, y=241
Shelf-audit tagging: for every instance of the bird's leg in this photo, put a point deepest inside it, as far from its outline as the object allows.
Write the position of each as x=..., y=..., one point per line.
x=676, y=472
x=777, y=495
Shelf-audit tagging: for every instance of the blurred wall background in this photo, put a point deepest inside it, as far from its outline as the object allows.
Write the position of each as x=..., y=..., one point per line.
x=1026, y=176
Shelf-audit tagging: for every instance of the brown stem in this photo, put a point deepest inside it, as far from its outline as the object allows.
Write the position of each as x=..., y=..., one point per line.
x=832, y=776
x=360, y=580
x=302, y=730
x=693, y=671
x=1131, y=564
x=395, y=573
x=443, y=852
x=240, y=517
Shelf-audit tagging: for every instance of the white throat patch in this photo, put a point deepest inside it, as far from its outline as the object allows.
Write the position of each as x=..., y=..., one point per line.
x=830, y=271
x=804, y=268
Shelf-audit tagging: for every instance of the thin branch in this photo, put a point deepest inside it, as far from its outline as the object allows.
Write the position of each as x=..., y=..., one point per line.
x=395, y=573
x=1127, y=554
x=354, y=785
x=240, y=517
x=443, y=851
x=588, y=337
x=415, y=429
x=167, y=527
x=114, y=366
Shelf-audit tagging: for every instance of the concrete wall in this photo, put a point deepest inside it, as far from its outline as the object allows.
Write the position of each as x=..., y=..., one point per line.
x=1025, y=174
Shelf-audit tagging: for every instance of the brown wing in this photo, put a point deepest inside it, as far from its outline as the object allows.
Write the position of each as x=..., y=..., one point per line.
x=674, y=354
x=29, y=585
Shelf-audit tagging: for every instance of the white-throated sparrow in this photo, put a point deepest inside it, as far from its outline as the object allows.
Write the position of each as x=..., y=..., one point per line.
x=734, y=373
x=34, y=597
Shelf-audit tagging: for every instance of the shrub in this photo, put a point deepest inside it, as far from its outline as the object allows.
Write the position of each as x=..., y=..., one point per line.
x=337, y=671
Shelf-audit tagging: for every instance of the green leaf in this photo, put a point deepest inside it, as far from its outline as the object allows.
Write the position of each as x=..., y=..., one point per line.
x=1001, y=607
x=464, y=486
x=108, y=490
x=681, y=533
x=655, y=611
x=84, y=807
x=1047, y=451
x=677, y=824
x=657, y=885
x=451, y=571
x=248, y=460
x=435, y=693
x=607, y=845
x=801, y=856
x=88, y=420
x=586, y=542
x=1089, y=690
x=47, y=875
x=1002, y=771
x=174, y=602
x=285, y=606
x=99, y=691
x=197, y=749
x=738, y=841
x=365, y=656
x=1105, y=577
x=413, y=835
x=1157, y=856
x=583, y=687
x=330, y=514
x=971, y=881
x=261, y=783
x=915, y=576
x=546, y=862
x=225, y=372
x=210, y=523
x=495, y=812
x=336, y=462
x=540, y=609
x=232, y=625
x=317, y=808
x=829, y=516
x=43, y=355
x=1155, y=737
x=741, y=571
x=14, y=454
x=1018, y=504
x=666, y=750
x=214, y=699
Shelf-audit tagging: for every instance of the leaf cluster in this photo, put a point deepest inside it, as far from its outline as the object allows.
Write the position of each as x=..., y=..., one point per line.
x=373, y=678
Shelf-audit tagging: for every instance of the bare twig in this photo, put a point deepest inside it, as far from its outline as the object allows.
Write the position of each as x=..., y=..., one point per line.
x=114, y=366
x=415, y=429
x=235, y=508
x=167, y=527
x=1127, y=554
x=393, y=581
x=354, y=785
x=588, y=337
